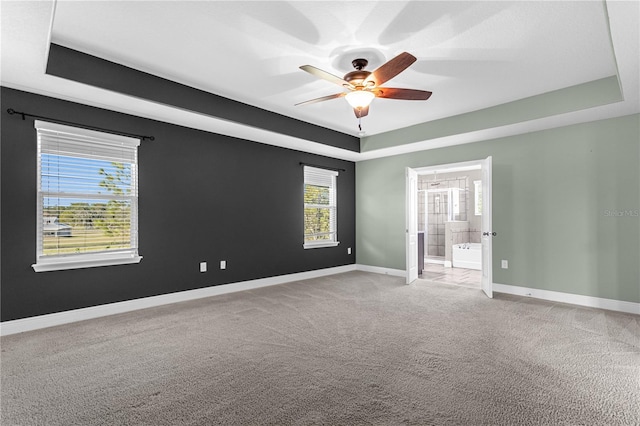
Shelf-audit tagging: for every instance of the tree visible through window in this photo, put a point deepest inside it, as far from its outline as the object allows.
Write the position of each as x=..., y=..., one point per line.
x=94, y=225
x=320, y=207
x=87, y=198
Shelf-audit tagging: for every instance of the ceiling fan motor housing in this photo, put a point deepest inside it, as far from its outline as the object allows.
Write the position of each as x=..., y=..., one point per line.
x=358, y=76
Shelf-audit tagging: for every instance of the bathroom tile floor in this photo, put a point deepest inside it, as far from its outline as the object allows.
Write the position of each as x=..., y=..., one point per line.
x=460, y=276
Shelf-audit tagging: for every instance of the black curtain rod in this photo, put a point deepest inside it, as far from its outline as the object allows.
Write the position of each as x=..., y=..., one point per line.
x=55, y=120
x=322, y=167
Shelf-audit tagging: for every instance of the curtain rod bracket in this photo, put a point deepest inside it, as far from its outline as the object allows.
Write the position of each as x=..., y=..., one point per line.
x=11, y=111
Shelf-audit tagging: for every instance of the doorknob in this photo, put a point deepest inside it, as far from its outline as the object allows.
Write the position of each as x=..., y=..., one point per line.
x=487, y=234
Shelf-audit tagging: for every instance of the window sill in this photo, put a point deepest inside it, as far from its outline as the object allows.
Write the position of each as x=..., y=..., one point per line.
x=85, y=263
x=320, y=245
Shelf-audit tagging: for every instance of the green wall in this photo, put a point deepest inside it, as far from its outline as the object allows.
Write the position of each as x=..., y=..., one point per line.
x=582, y=96
x=557, y=197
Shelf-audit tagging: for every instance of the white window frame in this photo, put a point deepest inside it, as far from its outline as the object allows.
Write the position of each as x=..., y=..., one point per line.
x=85, y=141
x=477, y=193
x=323, y=177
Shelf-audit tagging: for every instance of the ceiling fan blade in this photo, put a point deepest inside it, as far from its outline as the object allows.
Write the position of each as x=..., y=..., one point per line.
x=405, y=94
x=361, y=112
x=324, y=98
x=390, y=69
x=325, y=75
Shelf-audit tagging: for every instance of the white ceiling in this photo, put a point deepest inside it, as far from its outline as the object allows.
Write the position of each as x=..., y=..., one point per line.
x=471, y=55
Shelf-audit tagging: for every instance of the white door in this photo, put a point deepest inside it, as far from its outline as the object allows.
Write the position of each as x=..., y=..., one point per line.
x=412, y=225
x=487, y=232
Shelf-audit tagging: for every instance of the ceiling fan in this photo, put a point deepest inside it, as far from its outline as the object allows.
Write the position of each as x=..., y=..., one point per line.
x=363, y=86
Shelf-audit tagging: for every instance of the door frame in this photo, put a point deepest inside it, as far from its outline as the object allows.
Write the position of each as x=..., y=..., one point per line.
x=411, y=220
x=412, y=205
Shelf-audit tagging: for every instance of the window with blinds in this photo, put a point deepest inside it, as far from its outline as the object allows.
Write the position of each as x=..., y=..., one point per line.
x=320, y=208
x=87, y=198
x=477, y=201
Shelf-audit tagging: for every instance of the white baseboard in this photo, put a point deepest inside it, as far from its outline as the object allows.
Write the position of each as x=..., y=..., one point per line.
x=553, y=296
x=66, y=317
x=59, y=318
x=574, y=299
x=381, y=270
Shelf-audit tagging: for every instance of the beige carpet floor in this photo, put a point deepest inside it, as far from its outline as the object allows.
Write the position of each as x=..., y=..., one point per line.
x=349, y=349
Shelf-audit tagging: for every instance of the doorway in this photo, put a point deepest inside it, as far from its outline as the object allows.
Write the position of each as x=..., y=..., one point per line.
x=448, y=217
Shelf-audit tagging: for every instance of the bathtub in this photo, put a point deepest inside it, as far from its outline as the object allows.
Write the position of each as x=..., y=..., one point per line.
x=467, y=255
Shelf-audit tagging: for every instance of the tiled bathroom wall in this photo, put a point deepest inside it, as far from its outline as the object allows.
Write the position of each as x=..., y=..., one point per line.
x=437, y=205
x=436, y=219
x=456, y=233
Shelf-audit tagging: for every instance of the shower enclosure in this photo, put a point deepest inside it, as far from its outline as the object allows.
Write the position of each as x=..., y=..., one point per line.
x=440, y=201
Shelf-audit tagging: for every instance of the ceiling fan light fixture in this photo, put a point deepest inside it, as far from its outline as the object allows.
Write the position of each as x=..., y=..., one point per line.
x=362, y=86
x=360, y=98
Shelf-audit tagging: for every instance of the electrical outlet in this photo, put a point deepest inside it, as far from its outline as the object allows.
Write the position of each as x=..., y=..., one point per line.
x=203, y=266
x=349, y=250
x=505, y=264
x=223, y=264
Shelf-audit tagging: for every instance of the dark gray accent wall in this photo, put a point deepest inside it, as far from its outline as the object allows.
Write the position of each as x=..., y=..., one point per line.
x=203, y=197
x=81, y=67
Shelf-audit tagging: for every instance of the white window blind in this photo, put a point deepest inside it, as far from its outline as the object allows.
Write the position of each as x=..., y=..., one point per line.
x=320, y=207
x=87, y=198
